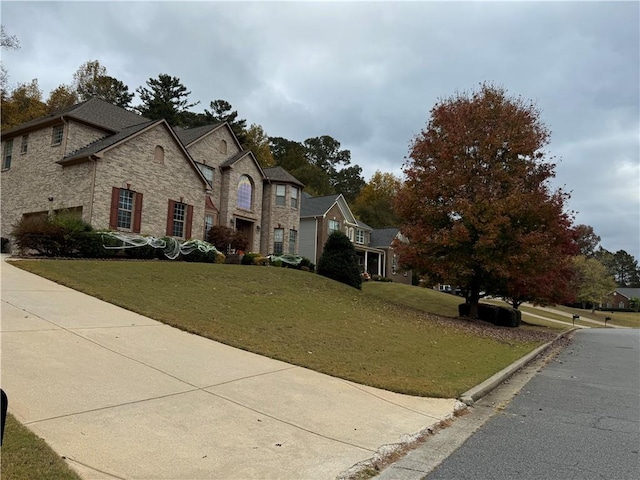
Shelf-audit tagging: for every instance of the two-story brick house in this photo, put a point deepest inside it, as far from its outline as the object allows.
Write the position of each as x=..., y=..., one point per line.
x=122, y=171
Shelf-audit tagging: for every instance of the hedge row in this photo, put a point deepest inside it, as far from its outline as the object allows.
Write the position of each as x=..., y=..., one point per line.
x=497, y=315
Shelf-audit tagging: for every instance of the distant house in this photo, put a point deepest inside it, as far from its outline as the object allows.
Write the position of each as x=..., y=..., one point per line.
x=121, y=171
x=282, y=194
x=620, y=298
x=320, y=216
x=385, y=239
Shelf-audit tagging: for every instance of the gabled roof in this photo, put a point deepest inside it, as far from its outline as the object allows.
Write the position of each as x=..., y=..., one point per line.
x=190, y=135
x=279, y=174
x=94, y=111
x=228, y=163
x=105, y=143
x=319, y=206
x=628, y=292
x=361, y=224
x=316, y=206
x=383, y=237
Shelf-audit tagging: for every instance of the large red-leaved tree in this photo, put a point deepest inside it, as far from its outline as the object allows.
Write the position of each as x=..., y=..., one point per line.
x=477, y=206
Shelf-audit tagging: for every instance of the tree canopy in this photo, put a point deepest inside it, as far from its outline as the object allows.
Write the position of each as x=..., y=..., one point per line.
x=591, y=281
x=91, y=81
x=24, y=103
x=476, y=205
x=7, y=42
x=257, y=141
x=374, y=203
x=222, y=111
x=165, y=97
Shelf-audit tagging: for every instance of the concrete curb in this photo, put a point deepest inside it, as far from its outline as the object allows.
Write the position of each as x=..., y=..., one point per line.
x=471, y=396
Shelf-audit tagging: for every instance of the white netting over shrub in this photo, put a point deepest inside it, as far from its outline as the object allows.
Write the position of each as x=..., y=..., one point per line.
x=170, y=246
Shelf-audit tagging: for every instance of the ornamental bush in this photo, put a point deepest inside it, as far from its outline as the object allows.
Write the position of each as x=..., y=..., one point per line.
x=225, y=238
x=58, y=235
x=339, y=261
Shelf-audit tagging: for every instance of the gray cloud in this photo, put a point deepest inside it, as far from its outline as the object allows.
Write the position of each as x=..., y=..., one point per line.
x=368, y=73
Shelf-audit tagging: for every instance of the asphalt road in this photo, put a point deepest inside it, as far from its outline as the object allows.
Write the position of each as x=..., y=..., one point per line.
x=578, y=418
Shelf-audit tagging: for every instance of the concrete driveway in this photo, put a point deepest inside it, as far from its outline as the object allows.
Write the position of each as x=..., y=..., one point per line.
x=122, y=396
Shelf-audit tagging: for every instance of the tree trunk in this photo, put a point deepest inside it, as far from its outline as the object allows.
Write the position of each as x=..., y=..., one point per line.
x=474, y=300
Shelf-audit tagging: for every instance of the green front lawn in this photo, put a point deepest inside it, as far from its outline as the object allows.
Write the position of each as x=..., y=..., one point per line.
x=25, y=456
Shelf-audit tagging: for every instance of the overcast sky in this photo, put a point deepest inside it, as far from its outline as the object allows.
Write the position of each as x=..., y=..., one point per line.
x=368, y=73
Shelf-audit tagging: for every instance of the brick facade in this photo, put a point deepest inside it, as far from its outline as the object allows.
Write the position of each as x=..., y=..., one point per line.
x=146, y=157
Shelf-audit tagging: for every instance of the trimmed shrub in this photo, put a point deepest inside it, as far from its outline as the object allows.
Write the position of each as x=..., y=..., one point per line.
x=276, y=263
x=5, y=245
x=144, y=252
x=488, y=313
x=509, y=317
x=306, y=263
x=250, y=258
x=92, y=245
x=339, y=261
x=497, y=315
x=200, y=256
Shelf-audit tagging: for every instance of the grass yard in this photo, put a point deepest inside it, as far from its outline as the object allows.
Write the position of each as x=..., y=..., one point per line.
x=307, y=320
x=623, y=319
x=25, y=456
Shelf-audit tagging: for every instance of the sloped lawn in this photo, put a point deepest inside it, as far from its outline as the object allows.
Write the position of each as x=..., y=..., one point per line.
x=304, y=319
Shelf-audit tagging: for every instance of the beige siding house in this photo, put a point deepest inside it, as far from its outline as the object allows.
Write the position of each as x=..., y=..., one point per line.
x=124, y=172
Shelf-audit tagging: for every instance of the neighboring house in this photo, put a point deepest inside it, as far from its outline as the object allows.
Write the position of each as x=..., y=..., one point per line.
x=385, y=239
x=320, y=216
x=281, y=212
x=620, y=298
x=119, y=170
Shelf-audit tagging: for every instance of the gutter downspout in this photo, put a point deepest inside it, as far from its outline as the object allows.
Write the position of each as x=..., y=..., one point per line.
x=92, y=194
x=65, y=136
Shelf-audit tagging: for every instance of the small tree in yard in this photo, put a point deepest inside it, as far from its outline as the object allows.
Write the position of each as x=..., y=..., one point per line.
x=339, y=261
x=477, y=207
x=225, y=238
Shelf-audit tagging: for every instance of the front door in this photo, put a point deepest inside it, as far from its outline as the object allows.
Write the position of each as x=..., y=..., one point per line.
x=245, y=228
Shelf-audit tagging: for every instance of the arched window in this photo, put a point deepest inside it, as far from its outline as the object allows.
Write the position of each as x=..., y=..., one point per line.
x=223, y=146
x=158, y=155
x=245, y=193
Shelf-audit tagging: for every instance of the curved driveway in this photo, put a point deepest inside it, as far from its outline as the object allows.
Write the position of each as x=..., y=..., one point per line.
x=123, y=396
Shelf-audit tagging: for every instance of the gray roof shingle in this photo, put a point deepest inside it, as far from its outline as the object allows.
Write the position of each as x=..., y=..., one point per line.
x=279, y=174
x=383, y=237
x=94, y=111
x=190, y=135
x=629, y=292
x=315, y=206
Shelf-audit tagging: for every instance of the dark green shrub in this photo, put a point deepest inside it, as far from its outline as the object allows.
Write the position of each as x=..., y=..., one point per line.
x=339, y=261
x=276, y=263
x=306, y=263
x=143, y=252
x=250, y=258
x=464, y=309
x=488, y=313
x=5, y=245
x=92, y=245
x=198, y=255
x=509, y=317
